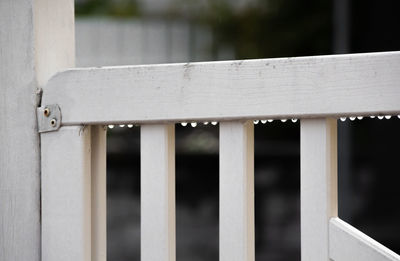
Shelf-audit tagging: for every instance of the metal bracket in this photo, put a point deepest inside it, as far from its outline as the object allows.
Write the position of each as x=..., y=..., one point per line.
x=49, y=118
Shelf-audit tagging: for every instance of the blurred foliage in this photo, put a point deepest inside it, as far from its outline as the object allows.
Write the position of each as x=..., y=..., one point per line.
x=273, y=28
x=116, y=8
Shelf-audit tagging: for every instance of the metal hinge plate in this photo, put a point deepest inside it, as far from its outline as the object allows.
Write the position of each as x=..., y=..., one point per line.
x=49, y=118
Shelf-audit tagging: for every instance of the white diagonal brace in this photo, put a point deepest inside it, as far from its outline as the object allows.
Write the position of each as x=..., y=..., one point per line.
x=346, y=243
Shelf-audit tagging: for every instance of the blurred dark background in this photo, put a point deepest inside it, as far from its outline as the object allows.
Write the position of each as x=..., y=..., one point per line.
x=112, y=32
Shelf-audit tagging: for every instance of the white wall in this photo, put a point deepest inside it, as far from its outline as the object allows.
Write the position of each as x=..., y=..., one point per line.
x=102, y=42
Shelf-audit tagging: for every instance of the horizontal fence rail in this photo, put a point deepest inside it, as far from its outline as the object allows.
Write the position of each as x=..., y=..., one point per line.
x=303, y=87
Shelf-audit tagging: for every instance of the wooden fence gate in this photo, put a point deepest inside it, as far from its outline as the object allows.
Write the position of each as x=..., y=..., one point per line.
x=77, y=103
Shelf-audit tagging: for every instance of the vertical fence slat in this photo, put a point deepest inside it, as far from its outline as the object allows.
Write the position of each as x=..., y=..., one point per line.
x=99, y=193
x=66, y=196
x=236, y=224
x=157, y=192
x=318, y=186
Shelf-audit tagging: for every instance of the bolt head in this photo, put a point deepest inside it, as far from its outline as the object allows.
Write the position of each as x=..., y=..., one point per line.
x=53, y=122
x=46, y=112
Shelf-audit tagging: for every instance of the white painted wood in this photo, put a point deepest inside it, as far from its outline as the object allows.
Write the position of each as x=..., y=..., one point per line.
x=157, y=192
x=54, y=37
x=236, y=195
x=318, y=141
x=99, y=192
x=27, y=30
x=19, y=143
x=356, y=84
x=66, y=194
x=346, y=243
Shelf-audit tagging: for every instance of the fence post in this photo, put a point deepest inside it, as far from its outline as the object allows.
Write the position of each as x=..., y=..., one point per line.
x=236, y=191
x=36, y=40
x=318, y=141
x=157, y=192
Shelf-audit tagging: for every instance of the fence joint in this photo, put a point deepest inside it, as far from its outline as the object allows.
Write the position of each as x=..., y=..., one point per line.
x=49, y=118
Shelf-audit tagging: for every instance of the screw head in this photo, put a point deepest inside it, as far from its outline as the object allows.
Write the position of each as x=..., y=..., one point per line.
x=46, y=112
x=53, y=122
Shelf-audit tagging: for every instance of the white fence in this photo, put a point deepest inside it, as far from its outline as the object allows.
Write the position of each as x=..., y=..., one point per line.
x=316, y=90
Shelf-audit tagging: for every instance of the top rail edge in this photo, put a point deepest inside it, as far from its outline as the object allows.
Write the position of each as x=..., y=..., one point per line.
x=300, y=87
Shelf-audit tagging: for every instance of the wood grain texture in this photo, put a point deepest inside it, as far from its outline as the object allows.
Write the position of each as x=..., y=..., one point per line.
x=22, y=70
x=19, y=141
x=303, y=87
x=66, y=194
x=318, y=142
x=236, y=194
x=346, y=243
x=99, y=192
x=157, y=192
